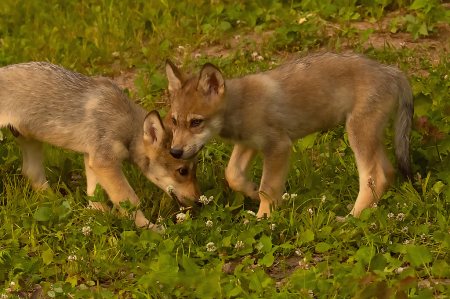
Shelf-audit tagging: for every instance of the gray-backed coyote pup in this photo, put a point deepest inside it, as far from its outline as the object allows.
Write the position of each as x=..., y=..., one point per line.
x=265, y=112
x=42, y=102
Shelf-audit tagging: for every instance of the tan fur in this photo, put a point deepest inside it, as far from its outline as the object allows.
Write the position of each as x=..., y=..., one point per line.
x=267, y=111
x=42, y=102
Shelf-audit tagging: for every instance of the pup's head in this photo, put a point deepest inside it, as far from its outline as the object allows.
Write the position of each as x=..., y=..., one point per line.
x=197, y=108
x=163, y=169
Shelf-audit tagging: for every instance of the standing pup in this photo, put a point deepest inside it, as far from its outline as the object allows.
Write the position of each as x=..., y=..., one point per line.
x=265, y=112
x=42, y=102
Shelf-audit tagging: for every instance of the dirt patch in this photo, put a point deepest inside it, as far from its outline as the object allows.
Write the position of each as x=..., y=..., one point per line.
x=126, y=80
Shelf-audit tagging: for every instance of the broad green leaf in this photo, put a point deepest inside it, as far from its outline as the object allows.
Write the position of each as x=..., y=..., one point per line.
x=418, y=4
x=378, y=262
x=418, y=255
x=323, y=247
x=47, y=256
x=43, y=214
x=307, y=236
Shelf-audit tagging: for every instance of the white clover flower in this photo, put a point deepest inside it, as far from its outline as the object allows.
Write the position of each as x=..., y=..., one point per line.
x=181, y=217
x=285, y=196
x=12, y=284
x=382, y=250
x=293, y=196
x=204, y=200
x=86, y=230
x=402, y=44
x=4, y=296
x=72, y=258
x=391, y=216
x=350, y=207
x=311, y=294
x=408, y=242
x=400, y=217
x=405, y=229
x=181, y=47
x=303, y=264
x=209, y=223
x=311, y=212
x=260, y=58
x=182, y=208
x=254, y=54
x=251, y=213
x=390, y=242
x=210, y=246
x=298, y=253
x=238, y=37
x=423, y=237
x=169, y=189
x=198, y=55
x=373, y=226
x=324, y=198
x=374, y=206
x=272, y=226
x=211, y=198
x=239, y=245
x=398, y=270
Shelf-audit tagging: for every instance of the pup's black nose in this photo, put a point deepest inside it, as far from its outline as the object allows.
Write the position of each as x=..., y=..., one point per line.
x=176, y=153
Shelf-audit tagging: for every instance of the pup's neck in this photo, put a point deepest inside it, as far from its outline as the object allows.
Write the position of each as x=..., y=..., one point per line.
x=232, y=114
x=137, y=148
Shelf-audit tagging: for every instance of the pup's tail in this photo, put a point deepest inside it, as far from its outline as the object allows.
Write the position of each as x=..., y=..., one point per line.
x=403, y=126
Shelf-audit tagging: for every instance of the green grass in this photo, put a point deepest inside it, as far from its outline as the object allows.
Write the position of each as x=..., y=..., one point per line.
x=53, y=240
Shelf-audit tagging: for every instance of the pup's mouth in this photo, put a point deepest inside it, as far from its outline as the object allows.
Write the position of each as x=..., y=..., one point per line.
x=190, y=155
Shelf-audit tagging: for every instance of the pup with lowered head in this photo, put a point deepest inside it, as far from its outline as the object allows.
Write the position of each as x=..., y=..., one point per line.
x=265, y=112
x=41, y=102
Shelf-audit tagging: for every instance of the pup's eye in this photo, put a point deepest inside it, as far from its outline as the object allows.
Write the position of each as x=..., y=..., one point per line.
x=174, y=121
x=183, y=171
x=196, y=122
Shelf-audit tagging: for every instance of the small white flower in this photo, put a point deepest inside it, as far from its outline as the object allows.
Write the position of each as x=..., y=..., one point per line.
x=239, y=245
x=303, y=264
x=374, y=206
x=405, y=229
x=405, y=205
x=251, y=213
x=298, y=253
x=209, y=223
x=311, y=212
x=400, y=217
x=382, y=250
x=198, y=55
x=423, y=237
x=204, y=200
x=86, y=230
x=373, y=226
x=311, y=294
x=398, y=270
x=402, y=44
x=115, y=54
x=285, y=196
x=324, y=198
x=211, y=198
x=238, y=37
x=182, y=208
x=12, y=284
x=210, y=246
x=293, y=196
x=408, y=242
x=72, y=258
x=272, y=226
x=181, y=47
x=260, y=58
x=391, y=216
x=238, y=21
x=169, y=189
x=350, y=207
x=219, y=229
x=160, y=218
x=4, y=296
x=254, y=54
x=181, y=217
x=390, y=242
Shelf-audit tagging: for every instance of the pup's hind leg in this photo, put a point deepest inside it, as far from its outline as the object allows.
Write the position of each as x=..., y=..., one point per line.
x=365, y=134
x=276, y=166
x=109, y=173
x=92, y=182
x=237, y=171
x=33, y=161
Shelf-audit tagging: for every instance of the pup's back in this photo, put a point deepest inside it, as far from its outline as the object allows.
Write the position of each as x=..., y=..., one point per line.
x=47, y=102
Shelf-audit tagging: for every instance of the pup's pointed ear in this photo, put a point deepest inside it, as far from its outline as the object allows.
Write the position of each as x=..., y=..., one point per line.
x=175, y=76
x=154, y=132
x=211, y=80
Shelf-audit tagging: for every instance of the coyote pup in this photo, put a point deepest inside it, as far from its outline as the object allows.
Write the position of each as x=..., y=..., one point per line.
x=265, y=112
x=42, y=102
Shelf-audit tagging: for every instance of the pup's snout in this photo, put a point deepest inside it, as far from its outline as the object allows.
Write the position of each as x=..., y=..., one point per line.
x=176, y=153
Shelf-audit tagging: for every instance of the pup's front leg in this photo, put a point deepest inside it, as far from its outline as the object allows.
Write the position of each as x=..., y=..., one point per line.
x=112, y=179
x=276, y=166
x=237, y=172
x=92, y=182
